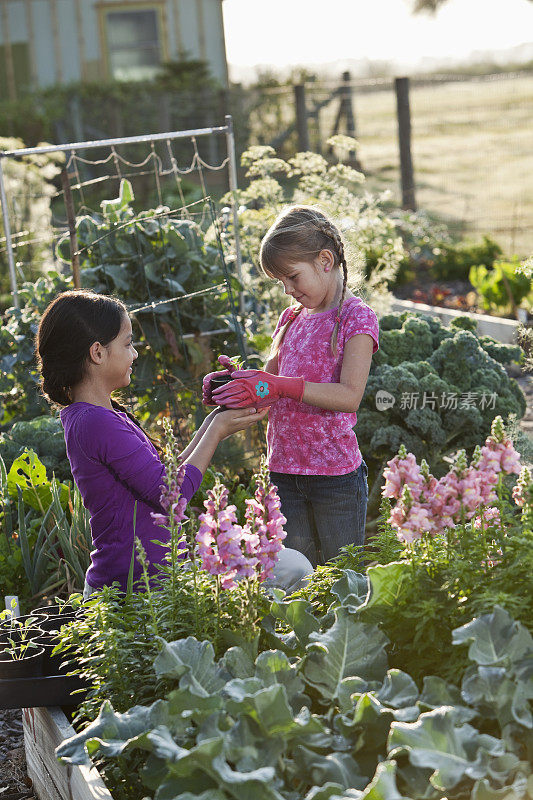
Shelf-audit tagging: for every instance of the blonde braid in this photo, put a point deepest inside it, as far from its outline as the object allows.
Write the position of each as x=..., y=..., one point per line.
x=329, y=230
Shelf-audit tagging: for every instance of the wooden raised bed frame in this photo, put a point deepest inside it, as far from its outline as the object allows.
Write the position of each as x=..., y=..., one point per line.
x=44, y=730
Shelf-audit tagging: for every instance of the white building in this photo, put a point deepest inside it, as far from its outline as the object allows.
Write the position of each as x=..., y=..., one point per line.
x=47, y=42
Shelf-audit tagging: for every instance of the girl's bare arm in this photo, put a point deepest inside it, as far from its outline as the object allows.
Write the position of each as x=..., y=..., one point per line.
x=347, y=394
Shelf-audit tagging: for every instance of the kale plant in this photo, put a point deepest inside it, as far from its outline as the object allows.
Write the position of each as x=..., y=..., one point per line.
x=446, y=384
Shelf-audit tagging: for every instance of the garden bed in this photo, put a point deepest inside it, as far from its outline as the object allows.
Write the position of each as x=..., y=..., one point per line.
x=499, y=328
x=44, y=730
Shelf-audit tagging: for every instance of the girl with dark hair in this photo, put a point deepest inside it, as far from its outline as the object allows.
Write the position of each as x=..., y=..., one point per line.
x=85, y=352
x=314, y=380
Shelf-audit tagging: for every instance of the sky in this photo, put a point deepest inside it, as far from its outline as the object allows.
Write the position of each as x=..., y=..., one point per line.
x=290, y=32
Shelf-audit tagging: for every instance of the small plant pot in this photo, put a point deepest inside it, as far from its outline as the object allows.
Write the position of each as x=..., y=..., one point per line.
x=52, y=663
x=31, y=666
x=217, y=382
x=6, y=623
x=54, y=623
x=55, y=610
x=28, y=634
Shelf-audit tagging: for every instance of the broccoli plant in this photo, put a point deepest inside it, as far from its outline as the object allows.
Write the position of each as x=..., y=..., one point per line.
x=434, y=389
x=44, y=435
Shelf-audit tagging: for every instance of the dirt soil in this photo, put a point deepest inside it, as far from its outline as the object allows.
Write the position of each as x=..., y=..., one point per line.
x=14, y=781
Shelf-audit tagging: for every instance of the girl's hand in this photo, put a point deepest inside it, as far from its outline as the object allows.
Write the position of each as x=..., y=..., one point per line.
x=228, y=422
x=258, y=388
x=230, y=367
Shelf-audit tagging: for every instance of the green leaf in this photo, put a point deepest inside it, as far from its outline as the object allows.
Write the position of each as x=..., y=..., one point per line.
x=369, y=726
x=273, y=667
x=454, y=753
x=324, y=792
x=237, y=663
x=112, y=733
x=111, y=208
x=270, y=710
x=496, y=639
x=119, y=275
x=399, y=690
x=495, y=695
x=29, y=474
x=193, y=663
x=351, y=589
x=353, y=686
x=174, y=793
x=338, y=768
x=347, y=649
x=297, y=614
x=383, y=784
x=436, y=692
x=386, y=586
x=516, y=791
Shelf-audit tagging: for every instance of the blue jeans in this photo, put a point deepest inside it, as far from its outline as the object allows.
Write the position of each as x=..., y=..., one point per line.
x=324, y=512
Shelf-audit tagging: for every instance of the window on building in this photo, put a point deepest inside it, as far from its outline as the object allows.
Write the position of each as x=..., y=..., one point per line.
x=133, y=44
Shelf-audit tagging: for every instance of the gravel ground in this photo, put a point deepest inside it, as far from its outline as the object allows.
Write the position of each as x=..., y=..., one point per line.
x=14, y=782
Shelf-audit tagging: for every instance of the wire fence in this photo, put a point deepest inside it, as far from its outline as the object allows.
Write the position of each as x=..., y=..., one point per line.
x=470, y=137
x=170, y=264
x=471, y=144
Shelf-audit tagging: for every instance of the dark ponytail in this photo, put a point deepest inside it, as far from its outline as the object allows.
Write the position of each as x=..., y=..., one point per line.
x=70, y=325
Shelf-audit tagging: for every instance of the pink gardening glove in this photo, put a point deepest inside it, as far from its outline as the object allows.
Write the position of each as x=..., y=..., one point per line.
x=253, y=387
x=226, y=361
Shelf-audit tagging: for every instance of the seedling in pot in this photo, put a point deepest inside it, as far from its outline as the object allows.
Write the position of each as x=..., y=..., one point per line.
x=17, y=649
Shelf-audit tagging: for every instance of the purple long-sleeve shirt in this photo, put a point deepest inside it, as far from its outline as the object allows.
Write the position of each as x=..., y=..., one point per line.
x=115, y=465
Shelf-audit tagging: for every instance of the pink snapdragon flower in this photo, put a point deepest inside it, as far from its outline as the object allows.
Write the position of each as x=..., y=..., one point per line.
x=488, y=516
x=236, y=551
x=523, y=490
x=265, y=521
x=402, y=470
x=427, y=505
x=171, y=499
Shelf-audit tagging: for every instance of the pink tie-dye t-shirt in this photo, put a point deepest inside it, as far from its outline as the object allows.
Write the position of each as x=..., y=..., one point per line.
x=303, y=439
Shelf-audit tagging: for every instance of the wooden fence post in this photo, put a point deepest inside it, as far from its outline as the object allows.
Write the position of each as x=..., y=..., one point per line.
x=301, y=118
x=404, y=139
x=71, y=219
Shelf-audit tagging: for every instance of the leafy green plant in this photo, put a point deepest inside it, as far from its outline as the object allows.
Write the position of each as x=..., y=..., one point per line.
x=44, y=435
x=447, y=385
x=501, y=286
x=45, y=537
x=434, y=585
x=331, y=720
x=19, y=377
x=452, y=261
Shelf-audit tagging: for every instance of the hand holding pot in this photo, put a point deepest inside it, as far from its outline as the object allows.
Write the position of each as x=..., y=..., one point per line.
x=207, y=389
x=254, y=387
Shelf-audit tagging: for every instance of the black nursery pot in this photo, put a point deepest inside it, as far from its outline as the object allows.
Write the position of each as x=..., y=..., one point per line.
x=52, y=663
x=54, y=623
x=38, y=617
x=57, y=610
x=217, y=382
x=28, y=634
x=31, y=666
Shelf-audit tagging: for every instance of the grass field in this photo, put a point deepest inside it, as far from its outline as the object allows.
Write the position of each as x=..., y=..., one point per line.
x=472, y=148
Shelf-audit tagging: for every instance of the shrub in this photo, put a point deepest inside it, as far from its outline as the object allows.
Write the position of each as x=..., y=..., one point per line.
x=44, y=435
x=453, y=261
x=502, y=286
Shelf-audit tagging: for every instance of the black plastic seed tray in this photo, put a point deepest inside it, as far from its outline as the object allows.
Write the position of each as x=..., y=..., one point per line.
x=53, y=690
